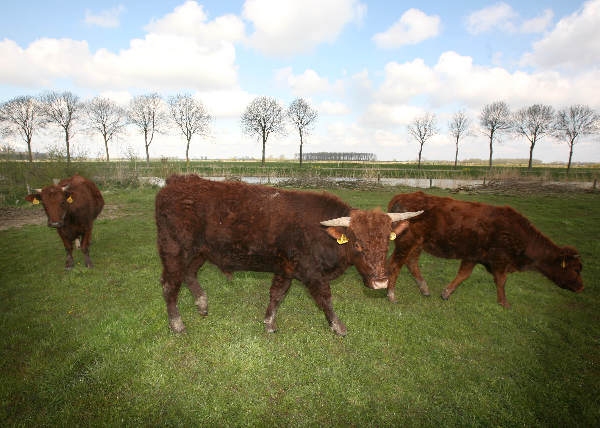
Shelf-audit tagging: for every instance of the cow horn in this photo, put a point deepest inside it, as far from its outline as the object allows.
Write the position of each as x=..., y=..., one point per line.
x=341, y=221
x=403, y=216
x=65, y=188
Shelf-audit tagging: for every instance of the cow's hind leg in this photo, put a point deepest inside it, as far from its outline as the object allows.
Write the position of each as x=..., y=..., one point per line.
x=322, y=295
x=85, y=246
x=464, y=271
x=412, y=263
x=170, y=293
x=200, y=298
x=279, y=288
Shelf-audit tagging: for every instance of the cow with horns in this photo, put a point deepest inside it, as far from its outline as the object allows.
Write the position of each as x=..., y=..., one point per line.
x=499, y=238
x=311, y=237
x=71, y=206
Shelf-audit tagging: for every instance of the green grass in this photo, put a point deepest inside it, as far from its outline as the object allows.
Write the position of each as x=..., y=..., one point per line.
x=92, y=347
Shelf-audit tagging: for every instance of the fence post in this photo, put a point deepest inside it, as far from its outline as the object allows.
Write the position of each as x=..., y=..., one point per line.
x=430, y=182
x=595, y=183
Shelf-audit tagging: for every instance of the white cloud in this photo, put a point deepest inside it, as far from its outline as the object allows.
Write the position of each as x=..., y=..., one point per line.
x=182, y=51
x=107, y=18
x=287, y=27
x=413, y=27
x=498, y=16
x=226, y=102
x=190, y=20
x=573, y=43
x=333, y=108
x=539, y=23
x=305, y=84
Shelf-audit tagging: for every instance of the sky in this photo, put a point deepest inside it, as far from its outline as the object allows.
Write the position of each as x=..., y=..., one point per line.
x=367, y=67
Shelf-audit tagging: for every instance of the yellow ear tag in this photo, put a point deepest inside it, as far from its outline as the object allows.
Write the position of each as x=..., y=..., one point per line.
x=35, y=201
x=70, y=200
x=392, y=236
x=564, y=264
x=342, y=239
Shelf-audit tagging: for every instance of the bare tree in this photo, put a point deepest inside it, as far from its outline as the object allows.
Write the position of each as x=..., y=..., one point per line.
x=63, y=109
x=303, y=116
x=147, y=114
x=106, y=117
x=191, y=118
x=495, y=119
x=575, y=121
x=533, y=123
x=263, y=117
x=422, y=128
x=459, y=126
x=22, y=116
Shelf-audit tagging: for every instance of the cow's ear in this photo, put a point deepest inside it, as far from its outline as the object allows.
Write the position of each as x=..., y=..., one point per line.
x=399, y=228
x=337, y=234
x=34, y=198
x=69, y=197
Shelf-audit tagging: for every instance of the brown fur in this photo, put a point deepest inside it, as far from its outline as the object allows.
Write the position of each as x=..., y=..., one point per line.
x=240, y=227
x=499, y=238
x=72, y=220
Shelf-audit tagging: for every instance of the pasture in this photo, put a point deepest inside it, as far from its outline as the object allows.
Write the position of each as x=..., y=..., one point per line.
x=93, y=347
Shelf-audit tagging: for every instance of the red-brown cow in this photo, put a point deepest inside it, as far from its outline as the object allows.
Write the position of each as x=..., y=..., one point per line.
x=72, y=205
x=499, y=238
x=306, y=236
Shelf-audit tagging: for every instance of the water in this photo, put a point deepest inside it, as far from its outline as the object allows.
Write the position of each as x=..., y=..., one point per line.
x=421, y=183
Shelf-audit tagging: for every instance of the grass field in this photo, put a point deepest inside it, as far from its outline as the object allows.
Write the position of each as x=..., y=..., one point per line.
x=92, y=347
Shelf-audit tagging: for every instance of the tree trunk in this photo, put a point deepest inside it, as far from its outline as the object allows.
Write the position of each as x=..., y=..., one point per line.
x=264, y=142
x=570, y=156
x=106, y=147
x=491, y=147
x=300, y=147
x=147, y=145
x=420, y=151
x=531, y=155
x=187, y=151
x=456, y=153
x=29, y=149
x=68, y=148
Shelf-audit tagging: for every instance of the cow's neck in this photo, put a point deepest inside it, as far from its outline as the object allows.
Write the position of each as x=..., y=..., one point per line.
x=543, y=253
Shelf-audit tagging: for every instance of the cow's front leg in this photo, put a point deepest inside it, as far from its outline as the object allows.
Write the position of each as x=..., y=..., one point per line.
x=464, y=271
x=412, y=263
x=500, y=280
x=279, y=288
x=322, y=295
x=68, y=243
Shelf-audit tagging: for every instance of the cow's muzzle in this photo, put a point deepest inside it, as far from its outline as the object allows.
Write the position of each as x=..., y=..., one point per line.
x=55, y=224
x=378, y=284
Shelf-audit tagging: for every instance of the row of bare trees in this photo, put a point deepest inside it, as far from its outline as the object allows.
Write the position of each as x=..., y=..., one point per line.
x=339, y=156
x=533, y=123
x=23, y=116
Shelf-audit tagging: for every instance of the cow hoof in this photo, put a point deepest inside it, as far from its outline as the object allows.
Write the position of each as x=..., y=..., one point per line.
x=202, y=305
x=392, y=298
x=424, y=291
x=505, y=305
x=339, y=328
x=445, y=295
x=270, y=328
x=177, y=325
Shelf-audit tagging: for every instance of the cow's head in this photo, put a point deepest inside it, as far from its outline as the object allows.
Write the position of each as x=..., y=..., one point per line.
x=567, y=267
x=55, y=200
x=366, y=236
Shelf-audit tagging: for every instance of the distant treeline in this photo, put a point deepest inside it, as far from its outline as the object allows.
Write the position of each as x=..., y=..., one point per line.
x=338, y=156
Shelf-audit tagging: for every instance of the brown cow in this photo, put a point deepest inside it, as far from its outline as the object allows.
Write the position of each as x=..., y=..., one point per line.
x=499, y=238
x=240, y=227
x=72, y=205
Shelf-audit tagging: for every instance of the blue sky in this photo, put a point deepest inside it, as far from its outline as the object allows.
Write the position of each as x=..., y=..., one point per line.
x=369, y=67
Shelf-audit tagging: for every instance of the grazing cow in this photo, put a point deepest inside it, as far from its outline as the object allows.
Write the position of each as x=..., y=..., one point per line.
x=499, y=238
x=72, y=205
x=306, y=236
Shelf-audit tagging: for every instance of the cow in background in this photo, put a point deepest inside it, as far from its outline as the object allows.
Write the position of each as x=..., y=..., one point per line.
x=71, y=206
x=311, y=237
x=499, y=238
